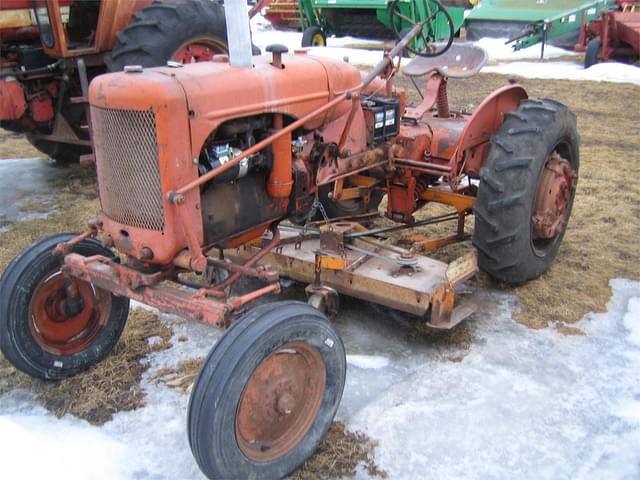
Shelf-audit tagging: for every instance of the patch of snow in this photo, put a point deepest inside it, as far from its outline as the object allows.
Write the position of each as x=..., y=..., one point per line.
x=35, y=444
x=25, y=184
x=632, y=320
x=155, y=340
x=502, y=58
x=370, y=362
x=602, y=72
x=521, y=404
x=499, y=50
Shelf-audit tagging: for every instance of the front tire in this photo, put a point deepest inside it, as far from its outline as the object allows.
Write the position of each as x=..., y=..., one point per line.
x=527, y=187
x=37, y=335
x=267, y=393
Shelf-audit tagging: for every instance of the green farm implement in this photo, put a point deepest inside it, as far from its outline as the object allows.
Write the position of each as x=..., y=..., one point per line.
x=529, y=22
x=319, y=19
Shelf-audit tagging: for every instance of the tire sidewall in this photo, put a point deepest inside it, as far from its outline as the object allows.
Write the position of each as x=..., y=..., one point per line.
x=312, y=329
x=19, y=282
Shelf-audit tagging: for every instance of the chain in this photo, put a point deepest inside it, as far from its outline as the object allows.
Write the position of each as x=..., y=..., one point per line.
x=315, y=206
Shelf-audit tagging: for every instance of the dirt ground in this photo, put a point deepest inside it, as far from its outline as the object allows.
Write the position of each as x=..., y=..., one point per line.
x=601, y=242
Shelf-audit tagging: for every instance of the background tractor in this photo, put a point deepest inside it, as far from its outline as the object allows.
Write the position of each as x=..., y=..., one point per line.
x=200, y=165
x=51, y=49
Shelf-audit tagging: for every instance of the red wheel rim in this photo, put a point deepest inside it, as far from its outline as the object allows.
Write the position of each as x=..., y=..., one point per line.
x=58, y=333
x=197, y=50
x=280, y=402
x=551, y=205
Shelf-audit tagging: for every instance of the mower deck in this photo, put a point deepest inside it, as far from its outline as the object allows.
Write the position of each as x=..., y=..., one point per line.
x=369, y=270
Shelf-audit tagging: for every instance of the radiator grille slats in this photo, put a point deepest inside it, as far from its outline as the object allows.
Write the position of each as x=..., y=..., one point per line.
x=126, y=149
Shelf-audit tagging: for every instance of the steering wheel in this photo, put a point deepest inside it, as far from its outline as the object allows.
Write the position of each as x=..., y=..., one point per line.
x=435, y=12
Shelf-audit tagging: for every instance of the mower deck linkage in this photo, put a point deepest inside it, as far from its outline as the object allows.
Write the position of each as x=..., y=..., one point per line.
x=332, y=257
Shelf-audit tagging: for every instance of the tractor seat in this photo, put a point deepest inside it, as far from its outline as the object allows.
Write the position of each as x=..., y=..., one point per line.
x=460, y=61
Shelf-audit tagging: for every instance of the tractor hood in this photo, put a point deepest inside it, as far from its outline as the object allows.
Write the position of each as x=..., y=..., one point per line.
x=216, y=92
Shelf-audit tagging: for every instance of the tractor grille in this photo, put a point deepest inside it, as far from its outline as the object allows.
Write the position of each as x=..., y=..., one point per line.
x=126, y=150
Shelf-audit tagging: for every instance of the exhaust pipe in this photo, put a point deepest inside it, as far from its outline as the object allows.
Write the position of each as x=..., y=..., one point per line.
x=238, y=33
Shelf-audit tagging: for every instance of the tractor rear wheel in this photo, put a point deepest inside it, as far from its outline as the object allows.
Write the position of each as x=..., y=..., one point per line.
x=267, y=393
x=186, y=32
x=42, y=333
x=527, y=186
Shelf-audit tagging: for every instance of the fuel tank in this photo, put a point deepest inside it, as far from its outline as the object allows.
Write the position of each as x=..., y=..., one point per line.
x=150, y=125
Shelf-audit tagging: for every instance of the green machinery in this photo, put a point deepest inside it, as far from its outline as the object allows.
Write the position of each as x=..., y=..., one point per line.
x=371, y=19
x=528, y=22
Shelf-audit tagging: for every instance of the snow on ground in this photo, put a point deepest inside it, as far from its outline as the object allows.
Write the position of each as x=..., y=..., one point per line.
x=521, y=404
x=602, y=72
x=499, y=50
x=502, y=58
x=28, y=184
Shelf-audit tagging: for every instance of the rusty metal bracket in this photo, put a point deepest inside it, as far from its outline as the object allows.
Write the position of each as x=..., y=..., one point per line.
x=65, y=248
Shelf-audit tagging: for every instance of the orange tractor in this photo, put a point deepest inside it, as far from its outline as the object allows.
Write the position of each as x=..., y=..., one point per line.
x=199, y=165
x=51, y=49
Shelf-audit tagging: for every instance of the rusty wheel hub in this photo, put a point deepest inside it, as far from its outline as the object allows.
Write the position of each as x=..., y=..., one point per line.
x=53, y=328
x=280, y=401
x=555, y=190
x=198, y=50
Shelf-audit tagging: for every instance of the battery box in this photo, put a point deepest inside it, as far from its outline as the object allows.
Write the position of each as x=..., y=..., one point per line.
x=382, y=116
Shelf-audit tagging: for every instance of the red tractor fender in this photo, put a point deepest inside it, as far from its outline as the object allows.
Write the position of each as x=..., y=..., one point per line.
x=483, y=124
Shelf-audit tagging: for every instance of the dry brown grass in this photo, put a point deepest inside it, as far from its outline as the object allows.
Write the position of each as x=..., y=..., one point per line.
x=111, y=386
x=114, y=384
x=602, y=238
x=339, y=455
x=15, y=145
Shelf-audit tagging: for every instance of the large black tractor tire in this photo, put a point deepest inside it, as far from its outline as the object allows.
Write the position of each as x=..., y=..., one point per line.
x=38, y=335
x=267, y=393
x=592, y=52
x=62, y=153
x=535, y=141
x=163, y=29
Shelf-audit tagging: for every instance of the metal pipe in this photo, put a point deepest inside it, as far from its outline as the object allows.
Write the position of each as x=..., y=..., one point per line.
x=275, y=241
x=388, y=58
x=427, y=221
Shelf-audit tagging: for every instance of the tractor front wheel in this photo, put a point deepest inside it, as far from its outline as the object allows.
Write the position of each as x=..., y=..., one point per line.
x=44, y=332
x=527, y=186
x=267, y=393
